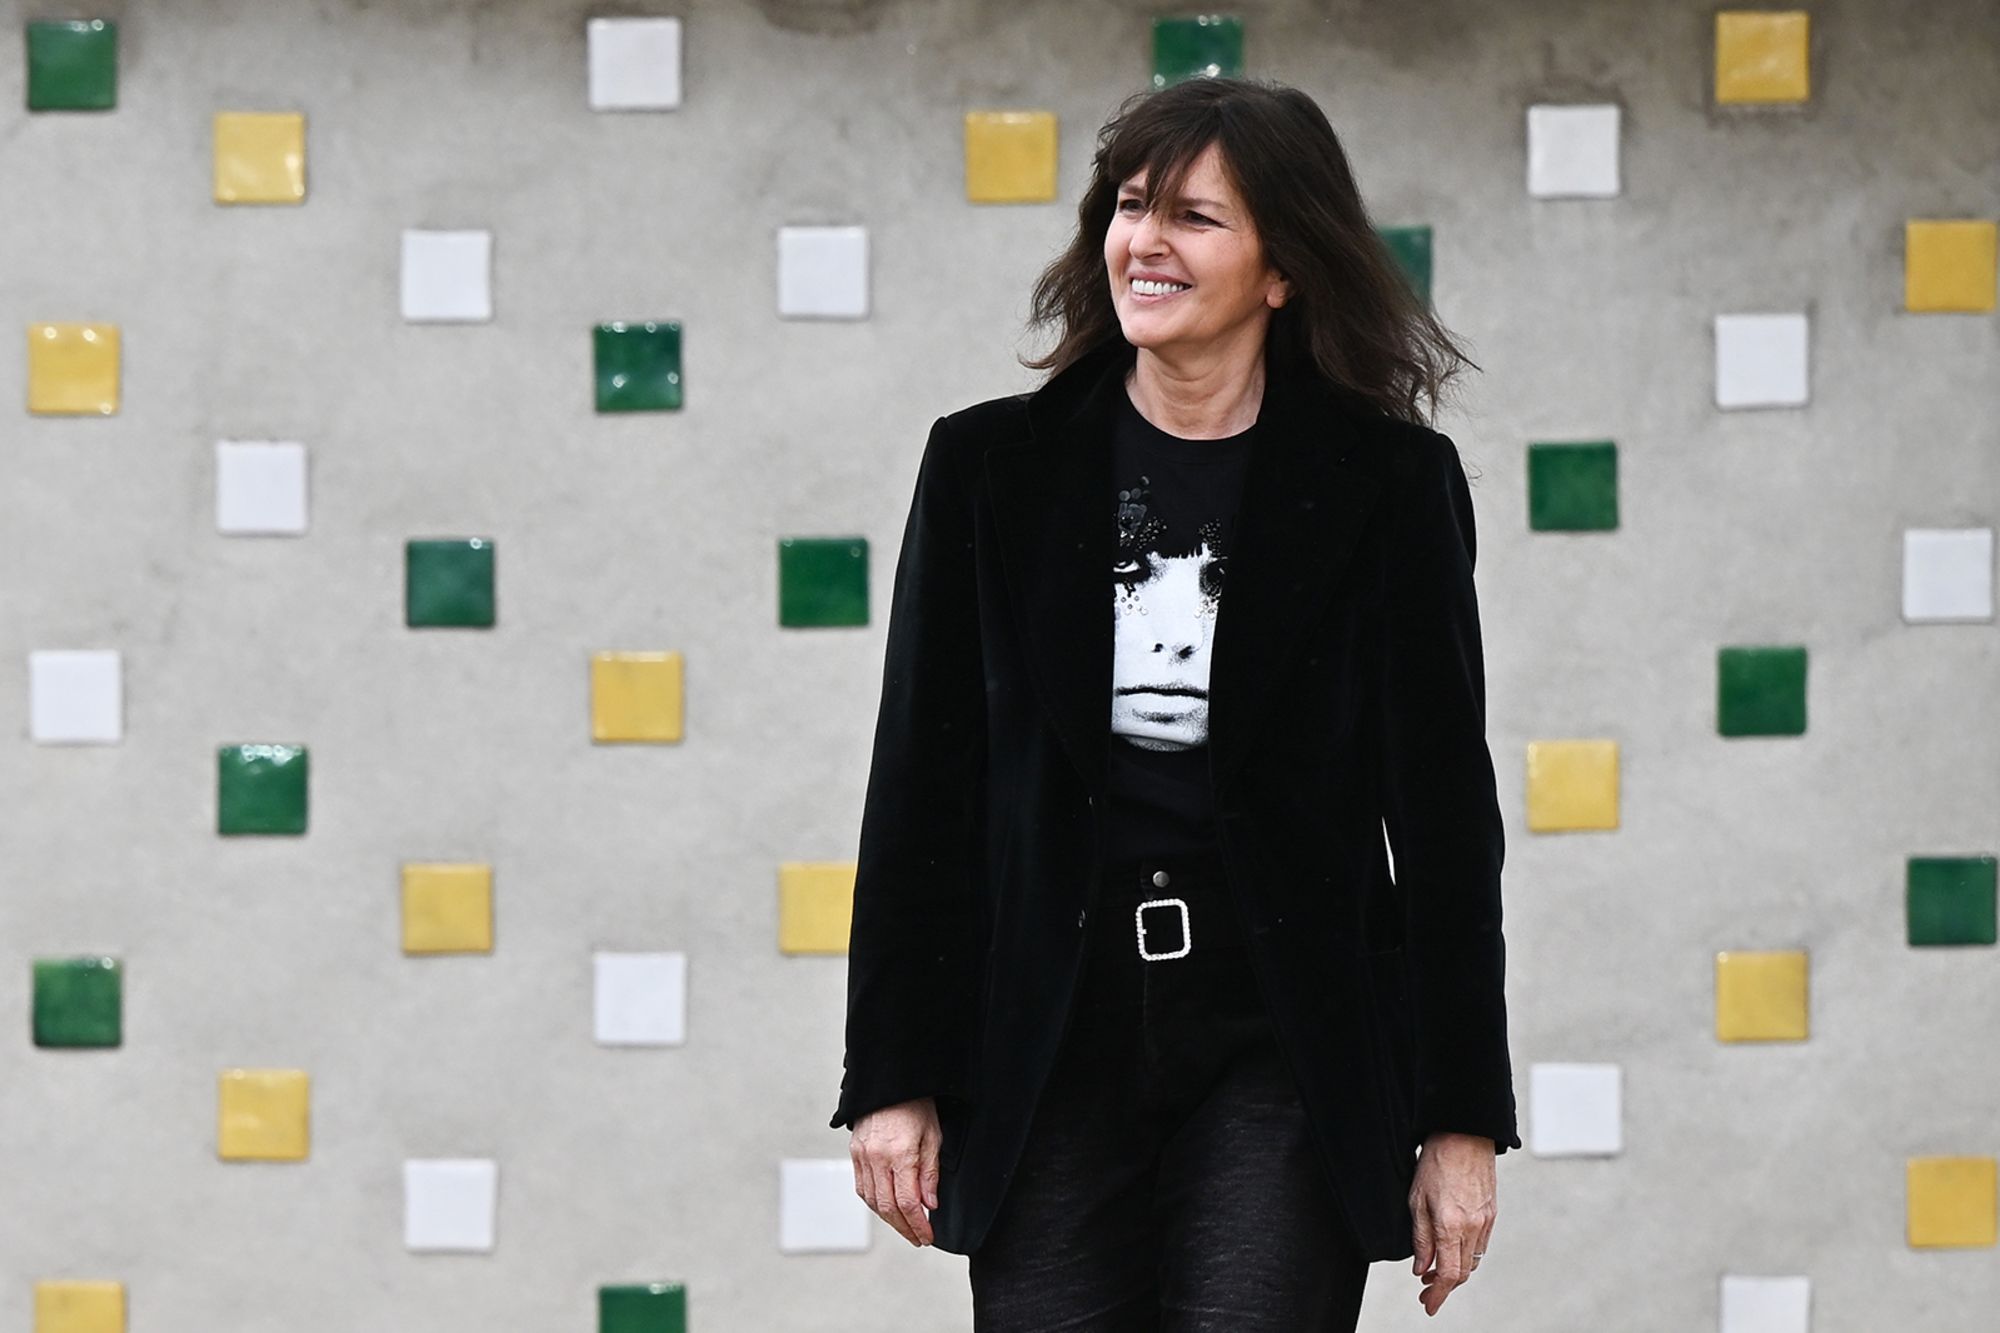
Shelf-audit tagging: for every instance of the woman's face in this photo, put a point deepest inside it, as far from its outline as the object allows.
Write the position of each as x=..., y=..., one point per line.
x=1204, y=245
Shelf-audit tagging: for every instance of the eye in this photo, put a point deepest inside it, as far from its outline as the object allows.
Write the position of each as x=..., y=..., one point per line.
x=1123, y=202
x=1199, y=217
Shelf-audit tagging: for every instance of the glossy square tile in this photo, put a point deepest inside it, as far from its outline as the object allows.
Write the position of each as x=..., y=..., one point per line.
x=1010, y=157
x=261, y=789
x=1947, y=574
x=76, y=696
x=1949, y=264
x=823, y=272
x=1197, y=46
x=818, y=1210
x=640, y=999
x=1573, y=151
x=1760, y=995
x=1572, y=784
x=1951, y=1202
x=447, y=908
x=447, y=276
x=1573, y=487
x=1766, y=1304
x=815, y=906
x=1576, y=1110
x=635, y=696
x=657, y=1307
x=635, y=63
x=1950, y=899
x=73, y=369
x=76, y=1306
x=450, y=1204
x=1760, y=690
x=638, y=366
x=1761, y=361
x=1761, y=56
x=79, y=1002
x=448, y=583
x=260, y=488
x=72, y=65
x=263, y=1115
x=1411, y=247
x=260, y=157
x=822, y=581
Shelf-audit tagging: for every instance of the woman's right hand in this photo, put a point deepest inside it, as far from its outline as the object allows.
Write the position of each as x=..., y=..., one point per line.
x=895, y=1152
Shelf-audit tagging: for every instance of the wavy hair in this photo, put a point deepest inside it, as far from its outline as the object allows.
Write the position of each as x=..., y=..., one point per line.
x=1353, y=315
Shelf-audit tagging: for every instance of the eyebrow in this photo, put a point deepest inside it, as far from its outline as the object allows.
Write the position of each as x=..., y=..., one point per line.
x=1215, y=204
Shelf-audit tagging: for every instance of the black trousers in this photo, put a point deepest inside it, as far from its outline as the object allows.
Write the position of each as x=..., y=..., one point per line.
x=1169, y=1183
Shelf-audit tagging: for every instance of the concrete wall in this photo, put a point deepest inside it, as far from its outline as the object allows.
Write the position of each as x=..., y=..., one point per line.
x=1593, y=319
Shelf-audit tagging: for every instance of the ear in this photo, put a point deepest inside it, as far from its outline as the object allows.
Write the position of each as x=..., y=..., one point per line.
x=1279, y=292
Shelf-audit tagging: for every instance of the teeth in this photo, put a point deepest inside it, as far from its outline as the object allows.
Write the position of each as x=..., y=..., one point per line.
x=1146, y=288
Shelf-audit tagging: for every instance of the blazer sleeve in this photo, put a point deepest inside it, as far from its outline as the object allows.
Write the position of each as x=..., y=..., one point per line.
x=911, y=956
x=1441, y=808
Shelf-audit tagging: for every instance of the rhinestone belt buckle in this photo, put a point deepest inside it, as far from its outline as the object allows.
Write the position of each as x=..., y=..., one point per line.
x=1187, y=936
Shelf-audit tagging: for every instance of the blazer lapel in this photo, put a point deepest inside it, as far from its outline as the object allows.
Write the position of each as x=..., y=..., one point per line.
x=1303, y=507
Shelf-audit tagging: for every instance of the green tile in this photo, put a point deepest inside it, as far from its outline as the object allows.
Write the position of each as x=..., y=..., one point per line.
x=78, y=1002
x=448, y=582
x=1761, y=691
x=1201, y=46
x=822, y=581
x=1412, y=248
x=638, y=367
x=659, y=1307
x=1951, y=899
x=72, y=66
x=261, y=789
x=1573, y=487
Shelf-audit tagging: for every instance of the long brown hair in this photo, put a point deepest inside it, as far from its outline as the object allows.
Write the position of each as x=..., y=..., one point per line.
x=1353, y=315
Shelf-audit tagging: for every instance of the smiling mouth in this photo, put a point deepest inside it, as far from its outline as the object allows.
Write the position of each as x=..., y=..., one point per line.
x=1155, y=291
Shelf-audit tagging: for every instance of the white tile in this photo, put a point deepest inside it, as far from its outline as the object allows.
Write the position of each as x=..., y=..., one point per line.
x=447, y=276
x=75, y=696
x=635, y=64
x=823, y=272
x=818, y=1210
x=260, y=487
x=1575, y=1110
x=1760, y=360
x=450, y=1203
x=1573, y=152
x=641, y=999
x=1766, y=1304
x=1947, y=574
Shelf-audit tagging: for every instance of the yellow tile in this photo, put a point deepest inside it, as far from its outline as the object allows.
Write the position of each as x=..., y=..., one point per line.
x=260, y=157
x=79, y=1307
x=1949, y=265
x=263, y=1115
x=1951, y=1201
x=635, y=696
x=73, y=369
x=1010, y=156
x=1572, y=785
x=815, y=906
x=1760, y=56
x=447, y=908
x=1760, y=995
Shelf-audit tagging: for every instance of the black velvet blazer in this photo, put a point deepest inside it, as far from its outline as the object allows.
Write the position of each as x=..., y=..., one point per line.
x=1346, y=694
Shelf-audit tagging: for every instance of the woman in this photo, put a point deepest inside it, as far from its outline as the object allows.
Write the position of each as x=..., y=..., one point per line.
x=1142, y=1016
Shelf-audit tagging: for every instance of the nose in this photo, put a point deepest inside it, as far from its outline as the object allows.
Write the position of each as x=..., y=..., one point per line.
x=1146, y=234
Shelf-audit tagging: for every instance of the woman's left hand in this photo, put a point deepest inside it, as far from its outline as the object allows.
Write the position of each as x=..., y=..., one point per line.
x=1452, y=1203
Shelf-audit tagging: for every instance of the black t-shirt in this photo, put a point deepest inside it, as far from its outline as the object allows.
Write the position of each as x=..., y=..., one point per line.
x=1176, y=502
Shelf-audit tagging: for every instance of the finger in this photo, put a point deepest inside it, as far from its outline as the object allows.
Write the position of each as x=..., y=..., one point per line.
x=928, y=1177
x=882, y=1198
x=915, y=1225
x=1420, y=1219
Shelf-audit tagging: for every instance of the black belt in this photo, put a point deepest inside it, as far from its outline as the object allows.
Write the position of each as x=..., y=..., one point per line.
x=1167, y=907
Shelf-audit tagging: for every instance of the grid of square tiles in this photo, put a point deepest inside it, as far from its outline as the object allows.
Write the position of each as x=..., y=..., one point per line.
x=1761, y=64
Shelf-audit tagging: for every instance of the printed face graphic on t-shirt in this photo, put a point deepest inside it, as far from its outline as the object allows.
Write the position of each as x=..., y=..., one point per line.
x=1166, y=587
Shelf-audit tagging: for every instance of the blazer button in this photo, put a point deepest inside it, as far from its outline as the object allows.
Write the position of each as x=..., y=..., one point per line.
x=1161, y=879
x=1079, y=919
